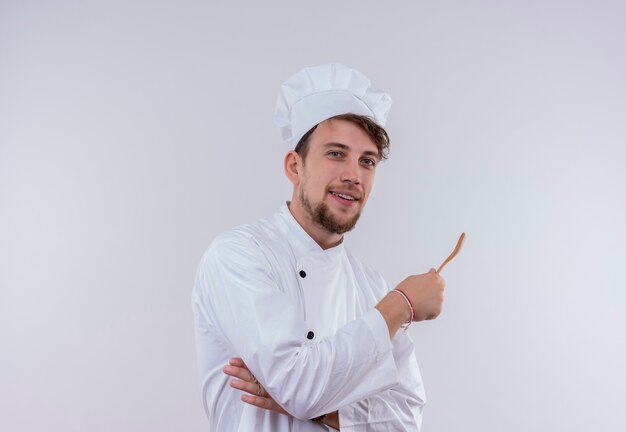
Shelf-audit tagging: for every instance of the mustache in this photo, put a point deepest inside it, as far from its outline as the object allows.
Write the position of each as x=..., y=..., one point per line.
x=347, y=188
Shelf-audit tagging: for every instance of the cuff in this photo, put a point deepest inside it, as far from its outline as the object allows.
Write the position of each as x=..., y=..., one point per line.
x=380, y=332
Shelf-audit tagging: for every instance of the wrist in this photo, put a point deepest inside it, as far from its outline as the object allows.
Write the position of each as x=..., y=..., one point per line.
x=394, y=311
x=406, y=298
x=319, y=419
x=330, y=420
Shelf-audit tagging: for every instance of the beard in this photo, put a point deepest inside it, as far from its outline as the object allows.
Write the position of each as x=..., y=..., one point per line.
x=322, y=216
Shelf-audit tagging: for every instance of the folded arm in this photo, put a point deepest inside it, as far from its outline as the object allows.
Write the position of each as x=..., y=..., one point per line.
x=399, y=408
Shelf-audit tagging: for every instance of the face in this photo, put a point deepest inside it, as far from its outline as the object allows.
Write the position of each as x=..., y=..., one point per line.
x=337, y=175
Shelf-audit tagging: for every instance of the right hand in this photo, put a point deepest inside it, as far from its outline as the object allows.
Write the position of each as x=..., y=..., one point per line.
x=244, y=380
x=426, y=294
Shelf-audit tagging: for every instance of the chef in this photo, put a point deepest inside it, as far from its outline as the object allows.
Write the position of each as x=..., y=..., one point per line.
x=293, y=332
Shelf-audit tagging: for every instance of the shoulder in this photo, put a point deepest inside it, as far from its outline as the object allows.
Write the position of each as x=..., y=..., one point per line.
x=244, y=243
x=236, y=257
x=238, y=243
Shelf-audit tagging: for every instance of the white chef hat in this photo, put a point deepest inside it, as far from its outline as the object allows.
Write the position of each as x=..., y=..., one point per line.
x=318, y=93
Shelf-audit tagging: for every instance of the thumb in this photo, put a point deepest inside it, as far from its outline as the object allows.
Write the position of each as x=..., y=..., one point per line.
x=432, y=270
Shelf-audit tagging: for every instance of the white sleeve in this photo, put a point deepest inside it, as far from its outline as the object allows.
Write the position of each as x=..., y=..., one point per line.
x=262, y=325
x=397, y=409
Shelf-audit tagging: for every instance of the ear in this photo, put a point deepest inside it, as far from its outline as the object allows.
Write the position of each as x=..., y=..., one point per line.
x=293, y=167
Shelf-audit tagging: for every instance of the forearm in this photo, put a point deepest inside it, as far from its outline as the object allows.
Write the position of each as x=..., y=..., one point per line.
x=320, y=377
x=395, y=312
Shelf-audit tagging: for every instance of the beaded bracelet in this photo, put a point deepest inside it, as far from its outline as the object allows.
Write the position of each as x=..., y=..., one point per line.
x=406, y=325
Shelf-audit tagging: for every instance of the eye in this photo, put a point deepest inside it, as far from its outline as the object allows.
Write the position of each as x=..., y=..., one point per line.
x=369, y=162
x=334, y=153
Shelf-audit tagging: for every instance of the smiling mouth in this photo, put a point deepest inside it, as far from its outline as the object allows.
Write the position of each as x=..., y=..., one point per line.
x=344, y=196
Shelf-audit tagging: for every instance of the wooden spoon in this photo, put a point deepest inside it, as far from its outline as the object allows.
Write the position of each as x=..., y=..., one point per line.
x=454, y=252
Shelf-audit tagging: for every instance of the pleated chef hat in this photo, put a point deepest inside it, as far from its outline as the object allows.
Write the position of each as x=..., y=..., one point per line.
x=318, y=93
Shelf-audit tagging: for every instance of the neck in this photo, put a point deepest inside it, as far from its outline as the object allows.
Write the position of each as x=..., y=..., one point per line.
x=322, y=237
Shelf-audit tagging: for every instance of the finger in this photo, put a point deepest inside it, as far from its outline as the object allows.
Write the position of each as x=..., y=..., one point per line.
x=237, y=361
x=237, y=372
x=261, y=402
x=248, y=387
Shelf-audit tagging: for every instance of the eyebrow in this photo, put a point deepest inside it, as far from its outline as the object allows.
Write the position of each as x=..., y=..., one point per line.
x=347, y=148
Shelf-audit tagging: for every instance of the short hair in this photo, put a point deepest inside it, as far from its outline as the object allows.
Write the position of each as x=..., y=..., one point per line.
x=373, y=130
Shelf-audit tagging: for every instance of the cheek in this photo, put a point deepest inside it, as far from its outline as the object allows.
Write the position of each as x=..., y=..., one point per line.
x=367, y=188
x=319, y=188
x=315, y=182
x=312, y=186
x=368, y=181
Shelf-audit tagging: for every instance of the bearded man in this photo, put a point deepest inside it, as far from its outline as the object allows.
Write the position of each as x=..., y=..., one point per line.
x=293, y=332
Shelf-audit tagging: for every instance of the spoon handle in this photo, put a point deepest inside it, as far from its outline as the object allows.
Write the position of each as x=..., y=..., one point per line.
x=456, y=250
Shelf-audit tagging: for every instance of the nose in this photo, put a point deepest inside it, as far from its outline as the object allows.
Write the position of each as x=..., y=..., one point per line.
x=351, y=172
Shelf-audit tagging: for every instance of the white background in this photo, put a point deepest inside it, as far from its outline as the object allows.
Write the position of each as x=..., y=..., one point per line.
x=131, y=133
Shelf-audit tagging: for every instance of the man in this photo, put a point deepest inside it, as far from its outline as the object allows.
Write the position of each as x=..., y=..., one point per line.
x=293, y=332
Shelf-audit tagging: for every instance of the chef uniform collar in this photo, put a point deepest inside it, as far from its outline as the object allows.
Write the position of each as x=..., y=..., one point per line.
x=300, y=241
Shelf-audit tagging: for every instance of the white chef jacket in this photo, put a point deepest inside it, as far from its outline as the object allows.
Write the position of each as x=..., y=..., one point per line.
x=303, y=320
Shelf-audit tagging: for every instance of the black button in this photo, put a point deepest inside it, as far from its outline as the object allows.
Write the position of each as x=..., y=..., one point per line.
x=310, y=335
x=302, y=274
